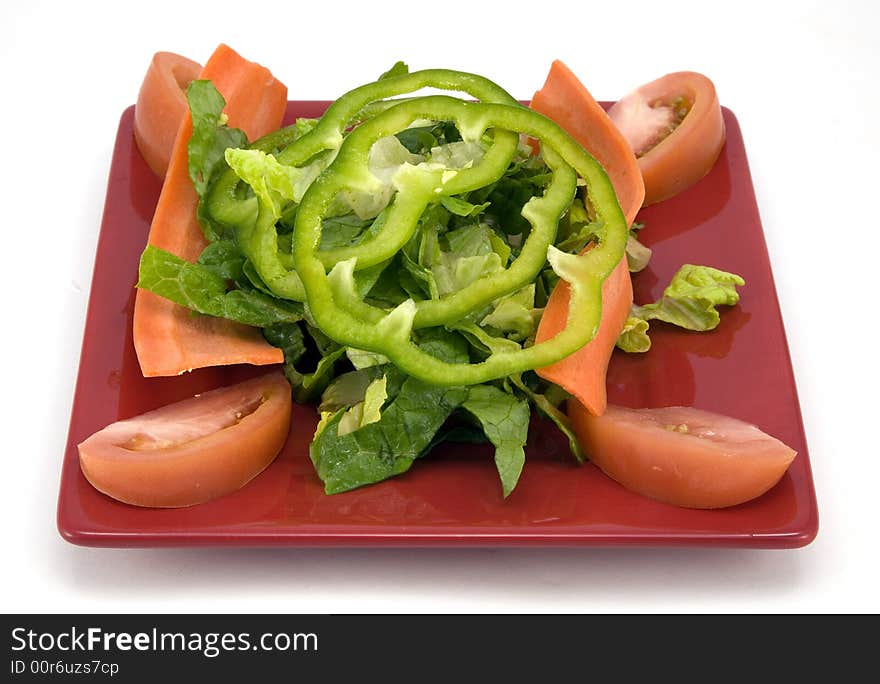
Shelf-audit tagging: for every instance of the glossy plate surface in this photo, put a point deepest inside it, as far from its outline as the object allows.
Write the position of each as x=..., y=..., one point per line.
x=452, y=497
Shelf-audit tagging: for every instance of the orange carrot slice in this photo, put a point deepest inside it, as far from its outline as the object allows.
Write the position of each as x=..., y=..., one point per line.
x=170, y=339
x=161, y=106
x=582, y=374
x=565, y=100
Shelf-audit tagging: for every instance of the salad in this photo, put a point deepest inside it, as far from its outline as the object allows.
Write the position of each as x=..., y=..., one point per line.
x=424, y=269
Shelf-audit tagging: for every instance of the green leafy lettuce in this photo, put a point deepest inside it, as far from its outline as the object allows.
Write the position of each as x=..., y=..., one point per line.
x=387, y=446
x=200, y=288
x=505, y=421
x=689, y=301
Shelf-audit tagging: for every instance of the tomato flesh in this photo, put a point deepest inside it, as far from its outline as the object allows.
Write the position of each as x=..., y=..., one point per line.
x=681, y=455
x=161, y=106
x=194, y=450
x=676, y=129
x=642, y=124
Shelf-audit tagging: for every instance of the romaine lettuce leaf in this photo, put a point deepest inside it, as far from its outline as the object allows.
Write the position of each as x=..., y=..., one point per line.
x=206, y=148
x=634, y=336
x=201, y=289
x=224, y=259
x=545, y=405
x=514, y=315
x=367, y=411
x=689, y=301
x=387, y=447
x=289, y=337
x=387, y=156
x=505, y=421
x=274, y=182
x=637, y=254
x=691, y=297
x=457, y=155
x=461, y=207
x=211, y=136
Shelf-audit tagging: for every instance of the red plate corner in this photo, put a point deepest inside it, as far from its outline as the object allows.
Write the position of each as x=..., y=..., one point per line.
x=452, y=497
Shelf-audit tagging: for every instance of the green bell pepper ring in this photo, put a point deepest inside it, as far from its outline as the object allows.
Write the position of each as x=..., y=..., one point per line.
x=542, y=213
x=256, y=234
x=230, y=210
x=223, y=202
x=390, y=334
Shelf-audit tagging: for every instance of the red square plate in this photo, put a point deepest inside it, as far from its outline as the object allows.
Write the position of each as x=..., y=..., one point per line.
x=453, y=498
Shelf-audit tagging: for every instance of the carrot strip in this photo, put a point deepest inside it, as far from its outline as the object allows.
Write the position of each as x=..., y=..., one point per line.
x=169, y=339
x=582, y=374
x=565, y=100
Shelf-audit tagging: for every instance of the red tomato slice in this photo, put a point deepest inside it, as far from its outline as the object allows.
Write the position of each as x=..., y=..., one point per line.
x=676, y=129
x=161, y=105
x=682, y=456
x=194, y=450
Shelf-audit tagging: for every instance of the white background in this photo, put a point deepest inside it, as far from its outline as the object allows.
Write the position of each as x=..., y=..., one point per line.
x=802, y=79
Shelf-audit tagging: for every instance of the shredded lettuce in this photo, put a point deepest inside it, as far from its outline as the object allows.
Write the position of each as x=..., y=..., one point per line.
x=272, y=181
x=514, y=316
x=637, y=254
x=689, y=301
x=691, y=297
x=367, y=411
x=634, y=336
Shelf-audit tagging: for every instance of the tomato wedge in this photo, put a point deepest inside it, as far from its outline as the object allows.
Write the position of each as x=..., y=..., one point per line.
x=161, y=106
x=682, y=456
x=194, y=450
x=676, y=129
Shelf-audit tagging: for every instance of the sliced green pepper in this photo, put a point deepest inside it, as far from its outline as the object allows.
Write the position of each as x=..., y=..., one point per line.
x=331, y=297
x=297, y=149
x=255, y=219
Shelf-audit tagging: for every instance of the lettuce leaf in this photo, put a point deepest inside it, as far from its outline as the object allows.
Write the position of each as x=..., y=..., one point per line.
x=367, y=411
x=224, y=259
x=387, y=447
x=505, y=421
x=199, y=288
x=545, y=405
x=691, y=297
x=689, y=301
x=274, y=182
x=637, y=254
x=514, y=315
x=407, y=427
x=634, y=336
x=306, y=385
x=211, y=136
x=387, y=156
x=471, y=255
x=207, y=146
